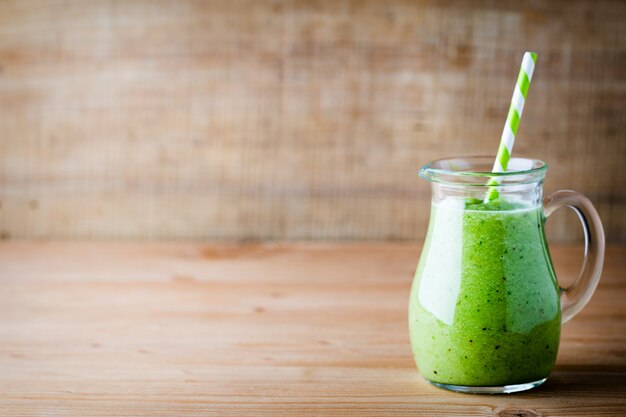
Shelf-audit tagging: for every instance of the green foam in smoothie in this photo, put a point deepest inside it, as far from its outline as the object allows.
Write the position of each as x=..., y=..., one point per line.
x=484, y=308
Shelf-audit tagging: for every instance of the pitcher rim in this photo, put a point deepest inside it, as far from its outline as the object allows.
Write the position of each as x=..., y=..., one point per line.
x=434, y=171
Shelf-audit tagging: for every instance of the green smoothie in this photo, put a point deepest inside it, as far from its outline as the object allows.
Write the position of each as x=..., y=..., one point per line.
x=484, y=308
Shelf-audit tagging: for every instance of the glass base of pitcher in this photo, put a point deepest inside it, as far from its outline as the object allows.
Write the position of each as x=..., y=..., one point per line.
x=503, y=389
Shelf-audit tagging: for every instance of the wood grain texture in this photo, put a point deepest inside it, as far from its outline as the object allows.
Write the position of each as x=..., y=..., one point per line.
x=100, y=329
x=293, y=119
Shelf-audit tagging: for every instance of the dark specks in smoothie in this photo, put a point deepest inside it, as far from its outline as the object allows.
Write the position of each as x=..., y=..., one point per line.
x=486, y=260
x=435, y=372
x=547, y=346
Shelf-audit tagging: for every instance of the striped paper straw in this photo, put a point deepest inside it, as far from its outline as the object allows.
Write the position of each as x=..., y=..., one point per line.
x=512, y=121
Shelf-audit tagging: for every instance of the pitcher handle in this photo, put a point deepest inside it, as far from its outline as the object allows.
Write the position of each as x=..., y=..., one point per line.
x=577, y=295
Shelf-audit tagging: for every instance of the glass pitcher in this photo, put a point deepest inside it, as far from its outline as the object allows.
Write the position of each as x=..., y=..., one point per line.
x=486, y=310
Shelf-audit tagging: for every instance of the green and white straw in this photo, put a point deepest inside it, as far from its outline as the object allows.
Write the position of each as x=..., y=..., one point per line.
x=512, y=121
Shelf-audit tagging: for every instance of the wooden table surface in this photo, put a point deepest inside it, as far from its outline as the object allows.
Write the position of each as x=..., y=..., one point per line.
x=126, y=329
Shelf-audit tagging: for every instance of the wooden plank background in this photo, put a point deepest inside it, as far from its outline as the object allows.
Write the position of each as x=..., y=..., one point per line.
x=293, y=119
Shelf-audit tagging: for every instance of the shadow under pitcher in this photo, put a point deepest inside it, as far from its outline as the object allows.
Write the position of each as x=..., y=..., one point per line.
x=486, y=309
